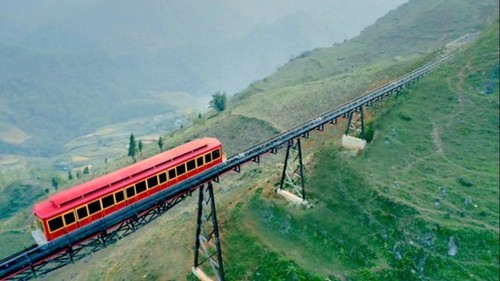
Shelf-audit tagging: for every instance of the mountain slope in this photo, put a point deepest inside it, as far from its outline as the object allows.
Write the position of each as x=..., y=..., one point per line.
x=333, y=239
x=421, y=203
x=416, y=27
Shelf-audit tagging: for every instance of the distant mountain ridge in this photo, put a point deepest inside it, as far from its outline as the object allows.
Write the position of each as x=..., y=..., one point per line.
x=392, y=37
x=71, y=67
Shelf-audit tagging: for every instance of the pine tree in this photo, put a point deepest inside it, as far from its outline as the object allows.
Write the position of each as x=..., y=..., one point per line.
x=55, y=184
x=70, y=176
x=131, y=147
x=140, y=147
x=160, y=143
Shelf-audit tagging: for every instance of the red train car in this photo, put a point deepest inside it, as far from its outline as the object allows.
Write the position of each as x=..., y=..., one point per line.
x=85, y=203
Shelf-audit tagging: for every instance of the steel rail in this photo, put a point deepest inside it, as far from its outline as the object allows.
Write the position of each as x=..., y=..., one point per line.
x=27, y=259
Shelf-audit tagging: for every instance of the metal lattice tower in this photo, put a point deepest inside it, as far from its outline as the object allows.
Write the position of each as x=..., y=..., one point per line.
x=292, y=177
x=356, y=123
x=207, y=241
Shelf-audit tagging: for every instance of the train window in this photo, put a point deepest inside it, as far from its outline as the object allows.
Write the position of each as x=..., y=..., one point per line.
x=191, y=165
x=140, y=187
x=162, y=177
x=69, y=218
x=130, y=192
x=181, y=169
x=82, y=212
x=119, y=196
x=208, y=158
x=215, y=154
x=94, y=207
x=152, y=182
x=199, y=161
x=171, y=174
x=108, y=201
x=55, y=224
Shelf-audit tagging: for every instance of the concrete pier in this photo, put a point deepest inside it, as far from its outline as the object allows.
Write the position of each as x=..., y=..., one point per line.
x=292, y=197
x=200, y=274
x=349, y=142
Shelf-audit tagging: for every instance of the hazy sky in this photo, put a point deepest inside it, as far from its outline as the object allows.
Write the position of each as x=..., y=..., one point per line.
x=235, y=18
x=268, y=11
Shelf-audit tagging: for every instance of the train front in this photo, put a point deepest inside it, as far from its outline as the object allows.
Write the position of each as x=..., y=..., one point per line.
x=39, y=232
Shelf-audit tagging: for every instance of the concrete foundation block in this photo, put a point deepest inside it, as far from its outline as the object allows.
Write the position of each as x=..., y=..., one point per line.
x=200, y=274
x=292, y=197
x=349, y=142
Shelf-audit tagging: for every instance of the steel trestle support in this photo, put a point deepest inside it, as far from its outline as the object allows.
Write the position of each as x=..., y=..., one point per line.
x=293, y=170
x=207, y=240
x=356, y=123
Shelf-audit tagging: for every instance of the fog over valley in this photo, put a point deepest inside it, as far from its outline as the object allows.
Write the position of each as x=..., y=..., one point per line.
x=69, y=68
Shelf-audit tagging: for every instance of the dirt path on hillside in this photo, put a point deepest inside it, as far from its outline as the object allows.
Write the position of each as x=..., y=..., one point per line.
x=459, y=91
x=436, y=139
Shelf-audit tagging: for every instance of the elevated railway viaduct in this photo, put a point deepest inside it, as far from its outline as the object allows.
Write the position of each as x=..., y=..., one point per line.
x=37, y=261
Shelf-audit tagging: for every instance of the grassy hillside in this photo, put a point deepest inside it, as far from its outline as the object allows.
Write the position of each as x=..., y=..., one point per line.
x=427, y=184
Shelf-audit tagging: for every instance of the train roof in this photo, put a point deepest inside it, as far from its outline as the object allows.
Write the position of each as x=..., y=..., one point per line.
x=72, y=197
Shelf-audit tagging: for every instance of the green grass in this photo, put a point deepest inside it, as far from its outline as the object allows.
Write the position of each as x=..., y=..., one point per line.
x=235, y=131
x=256, y=262
x=430, y=176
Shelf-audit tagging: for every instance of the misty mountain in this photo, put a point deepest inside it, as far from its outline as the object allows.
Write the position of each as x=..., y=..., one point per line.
x=391, y=37
x=68, y=67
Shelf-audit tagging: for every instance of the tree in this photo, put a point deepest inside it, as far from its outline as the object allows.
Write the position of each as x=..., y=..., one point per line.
x=140, y=147
x=86, y=170
x=160, y=143
x=218, y=101
x=132, y=147
x=70, y=176
x=55, y=184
